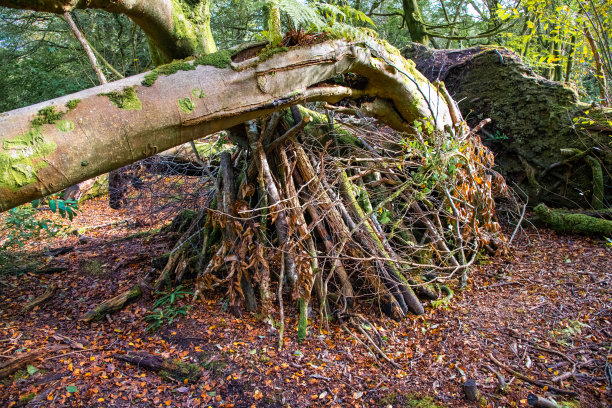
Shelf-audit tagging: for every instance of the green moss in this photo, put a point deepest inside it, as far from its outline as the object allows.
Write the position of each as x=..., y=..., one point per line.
x=303, y=322
x=128, y=99
x=219, y=59
x=198, y=93
x=569, y=404
x=65, y=125
x=19, y=375
x=72, y=104
x=47, y=115
x=186, y=105
x=167, y=69
x=24, y=399
x=20, y=159
x=408, y=401
x=186, y=19
x=268, y=52
x=573, y=223
x=176, y=370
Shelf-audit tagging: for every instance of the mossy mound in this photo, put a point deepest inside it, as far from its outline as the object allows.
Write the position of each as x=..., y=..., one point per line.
x=532, y=121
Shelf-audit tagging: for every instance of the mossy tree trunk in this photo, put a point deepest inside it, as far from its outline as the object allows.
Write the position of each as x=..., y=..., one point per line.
x=534, y=121
x=344, y=215
x=177, y=28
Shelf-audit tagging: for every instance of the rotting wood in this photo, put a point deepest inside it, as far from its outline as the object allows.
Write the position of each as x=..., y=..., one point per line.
x=168, y=368
x=113, y=305
x=49, y=293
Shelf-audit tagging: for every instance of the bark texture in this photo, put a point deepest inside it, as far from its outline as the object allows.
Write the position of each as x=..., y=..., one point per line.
x=177, y=28
x=50, y=146
x=534, y=123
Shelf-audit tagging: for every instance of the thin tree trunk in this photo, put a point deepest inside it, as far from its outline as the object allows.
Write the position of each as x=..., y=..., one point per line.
x=86, y=47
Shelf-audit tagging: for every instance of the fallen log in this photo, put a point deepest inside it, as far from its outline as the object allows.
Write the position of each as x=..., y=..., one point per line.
x=573, y=223
x=113, y=305
x=22, y=360
x=168, y=368
x=49, y=293
x=530, y=380
x=540, y=402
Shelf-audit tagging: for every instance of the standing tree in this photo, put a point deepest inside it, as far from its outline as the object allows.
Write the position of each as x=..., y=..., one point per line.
x=343, y=206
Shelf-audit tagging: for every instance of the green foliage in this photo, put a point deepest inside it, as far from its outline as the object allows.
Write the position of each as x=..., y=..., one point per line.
x=40, y=58
x=165, y=311
x=22, y=223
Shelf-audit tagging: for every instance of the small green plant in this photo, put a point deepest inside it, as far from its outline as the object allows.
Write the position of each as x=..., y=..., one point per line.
x=497, y=136
x=21, y=224
x=165, y=311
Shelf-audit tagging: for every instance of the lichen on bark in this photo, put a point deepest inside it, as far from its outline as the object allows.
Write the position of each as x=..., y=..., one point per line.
x=21, y=158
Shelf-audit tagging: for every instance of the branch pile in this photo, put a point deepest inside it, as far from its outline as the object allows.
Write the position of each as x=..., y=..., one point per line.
x=338, y=208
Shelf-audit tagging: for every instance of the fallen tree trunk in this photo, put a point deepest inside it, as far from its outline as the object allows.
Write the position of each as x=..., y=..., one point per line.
x=534, y=121
x=53, y=145
x=22, y=360
x=347, y=208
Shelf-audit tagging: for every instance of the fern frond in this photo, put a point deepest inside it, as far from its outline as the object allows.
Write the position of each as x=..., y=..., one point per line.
x=301, y=15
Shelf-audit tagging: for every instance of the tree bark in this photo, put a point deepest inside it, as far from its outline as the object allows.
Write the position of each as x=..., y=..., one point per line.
x=533, y=122
x=178, y=28
x=55, y=144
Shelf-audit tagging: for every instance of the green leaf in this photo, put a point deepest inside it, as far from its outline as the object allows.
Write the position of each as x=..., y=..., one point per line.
x=53, y=205
x=32, y=370
x=72, y=388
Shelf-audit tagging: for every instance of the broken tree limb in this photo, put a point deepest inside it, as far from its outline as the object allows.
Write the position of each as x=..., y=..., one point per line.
x=49, y=293
x=113, y=305
x=530, y=380
x=168, y=368
x=540, y=402
x=22, y=360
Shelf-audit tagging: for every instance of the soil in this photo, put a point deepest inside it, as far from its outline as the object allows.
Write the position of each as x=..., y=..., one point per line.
x=543, y=311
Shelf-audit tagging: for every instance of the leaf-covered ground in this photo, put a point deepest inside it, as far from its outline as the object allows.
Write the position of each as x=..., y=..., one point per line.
x=545, y=312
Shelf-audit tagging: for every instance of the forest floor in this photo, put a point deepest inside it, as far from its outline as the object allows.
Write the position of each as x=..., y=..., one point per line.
x=545, y=311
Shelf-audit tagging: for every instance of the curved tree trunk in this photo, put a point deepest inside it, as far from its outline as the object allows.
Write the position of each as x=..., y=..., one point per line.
x=177, y=28
x=55, y=144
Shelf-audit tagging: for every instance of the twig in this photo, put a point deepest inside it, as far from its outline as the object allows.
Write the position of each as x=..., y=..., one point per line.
x=530, y=380
x=518, y=224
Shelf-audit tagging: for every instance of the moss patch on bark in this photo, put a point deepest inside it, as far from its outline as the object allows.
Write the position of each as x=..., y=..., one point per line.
x=128, y=99
x=21, y=157
x=186, y=105
x=219, y=59
x=562, y=221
